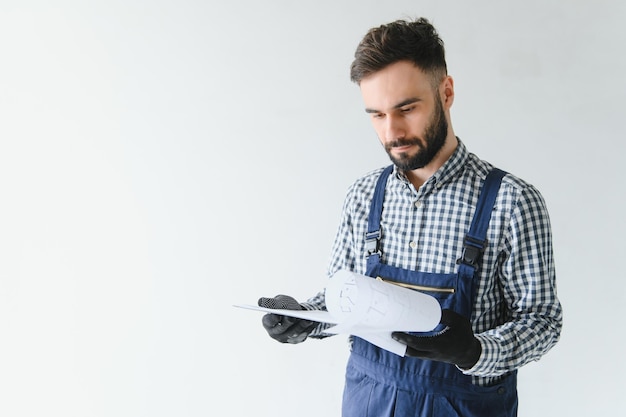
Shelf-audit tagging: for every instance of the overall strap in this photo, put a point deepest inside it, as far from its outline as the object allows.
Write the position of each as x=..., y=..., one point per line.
x=374, y=233
x=476, y=239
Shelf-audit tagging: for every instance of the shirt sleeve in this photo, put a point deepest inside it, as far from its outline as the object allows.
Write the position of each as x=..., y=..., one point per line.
x=533, y=315
x=341, y=257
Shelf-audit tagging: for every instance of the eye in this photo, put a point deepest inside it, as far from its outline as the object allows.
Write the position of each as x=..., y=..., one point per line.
x=407, y=109
x=377, y=115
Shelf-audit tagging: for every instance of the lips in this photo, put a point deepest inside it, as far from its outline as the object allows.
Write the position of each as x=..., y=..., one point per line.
x=402, y=145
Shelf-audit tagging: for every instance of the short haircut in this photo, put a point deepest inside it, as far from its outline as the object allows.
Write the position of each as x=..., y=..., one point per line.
x=415, y=41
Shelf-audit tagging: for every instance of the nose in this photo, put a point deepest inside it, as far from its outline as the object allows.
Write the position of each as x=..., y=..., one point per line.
x=394, y=129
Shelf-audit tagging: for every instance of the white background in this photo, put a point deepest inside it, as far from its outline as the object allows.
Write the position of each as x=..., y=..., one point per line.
x=163, y=160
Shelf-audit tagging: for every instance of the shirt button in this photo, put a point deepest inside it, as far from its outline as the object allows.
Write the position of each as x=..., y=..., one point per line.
x=419, y=204
x=413, y=244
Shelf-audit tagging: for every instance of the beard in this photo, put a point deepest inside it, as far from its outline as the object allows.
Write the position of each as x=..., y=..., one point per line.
x=429, y=146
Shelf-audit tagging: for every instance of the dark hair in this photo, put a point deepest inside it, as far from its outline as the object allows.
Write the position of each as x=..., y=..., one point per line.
x=415, y=41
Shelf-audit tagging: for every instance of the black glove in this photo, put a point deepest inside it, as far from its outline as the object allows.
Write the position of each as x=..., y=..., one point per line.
x=455, y=344
x=285, y=329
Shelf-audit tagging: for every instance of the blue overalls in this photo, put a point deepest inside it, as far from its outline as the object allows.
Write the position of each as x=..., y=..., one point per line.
x=382, y=384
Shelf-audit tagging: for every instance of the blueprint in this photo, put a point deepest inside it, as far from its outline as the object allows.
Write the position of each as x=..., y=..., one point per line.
x=370, y=309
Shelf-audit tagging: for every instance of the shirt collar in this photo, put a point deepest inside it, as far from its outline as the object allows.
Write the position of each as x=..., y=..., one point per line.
x=454, y=165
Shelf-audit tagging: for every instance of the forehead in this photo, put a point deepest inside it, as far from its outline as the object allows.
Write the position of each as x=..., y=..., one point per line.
x=393, y=84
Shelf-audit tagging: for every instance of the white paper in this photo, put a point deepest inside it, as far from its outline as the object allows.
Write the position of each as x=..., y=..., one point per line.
x=313, y=315
x=370, y=309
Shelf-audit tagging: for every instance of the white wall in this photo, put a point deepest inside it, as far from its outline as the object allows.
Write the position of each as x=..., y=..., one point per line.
x=163, y=160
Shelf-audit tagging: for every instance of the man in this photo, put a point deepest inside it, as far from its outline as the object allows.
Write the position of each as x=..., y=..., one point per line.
x=444, y=219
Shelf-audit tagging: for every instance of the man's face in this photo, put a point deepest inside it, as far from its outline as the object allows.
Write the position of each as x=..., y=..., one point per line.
x=407, y=114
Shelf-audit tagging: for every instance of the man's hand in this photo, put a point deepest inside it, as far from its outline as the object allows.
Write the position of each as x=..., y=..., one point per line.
x=456, y=344
x=285, y=329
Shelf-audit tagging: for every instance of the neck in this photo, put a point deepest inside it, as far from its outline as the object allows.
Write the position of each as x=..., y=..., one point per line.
x=419, y=176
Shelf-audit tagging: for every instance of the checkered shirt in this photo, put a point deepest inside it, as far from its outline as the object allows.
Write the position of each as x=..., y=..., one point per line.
x=517, y=316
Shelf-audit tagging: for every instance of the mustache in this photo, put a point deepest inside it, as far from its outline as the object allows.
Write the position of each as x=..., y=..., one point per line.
x=404, y=142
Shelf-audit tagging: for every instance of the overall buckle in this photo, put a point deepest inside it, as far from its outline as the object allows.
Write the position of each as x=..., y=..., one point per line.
x=473, y=250
x=372, y=243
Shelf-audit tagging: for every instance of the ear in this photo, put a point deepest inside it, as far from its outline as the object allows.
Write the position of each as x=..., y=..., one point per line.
x=446, y=91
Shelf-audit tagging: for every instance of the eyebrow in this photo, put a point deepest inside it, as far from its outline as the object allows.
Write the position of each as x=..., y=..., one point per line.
x=397, y=106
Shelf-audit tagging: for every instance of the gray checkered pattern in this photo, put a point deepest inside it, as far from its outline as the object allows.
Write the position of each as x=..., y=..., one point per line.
x=517, y=315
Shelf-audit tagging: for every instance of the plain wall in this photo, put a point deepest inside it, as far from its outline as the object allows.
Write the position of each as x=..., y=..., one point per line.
x=161, y=161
